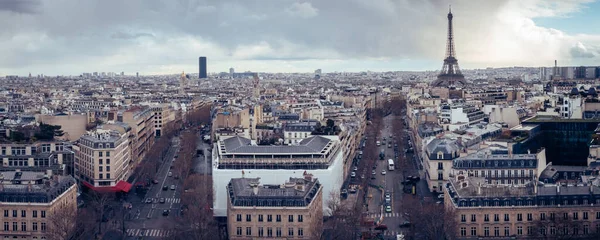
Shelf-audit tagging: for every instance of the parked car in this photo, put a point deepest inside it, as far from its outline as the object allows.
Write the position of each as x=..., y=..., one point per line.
x=353, y=174
x=383, y=172
x=166, y=212
x=405, y=224
x=355, y=168
x=155, y=181
x=373, y=172
x=172, y=187
x=344, y=191
x=170, y=174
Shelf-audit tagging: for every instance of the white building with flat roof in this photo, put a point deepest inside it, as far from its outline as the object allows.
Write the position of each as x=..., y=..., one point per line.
x=237, y=157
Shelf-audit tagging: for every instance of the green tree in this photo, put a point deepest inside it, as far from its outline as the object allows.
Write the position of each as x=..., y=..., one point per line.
x=48, y=132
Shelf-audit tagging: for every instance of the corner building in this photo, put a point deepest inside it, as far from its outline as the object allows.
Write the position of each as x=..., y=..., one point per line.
x=28, y=200
x=293, y=210
x=530, y=211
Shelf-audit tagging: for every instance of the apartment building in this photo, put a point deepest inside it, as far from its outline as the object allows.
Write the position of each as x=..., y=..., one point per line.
x=55, y=157
x=103, y=159
x=529, y=211
x=293, y=133
x=460, y=114
x=293, y=210
x=141, y=121
x=161, y=116
x=73, y=125
x=28, y=200
x=502, y=169
x=235, y=157
x=437, y=162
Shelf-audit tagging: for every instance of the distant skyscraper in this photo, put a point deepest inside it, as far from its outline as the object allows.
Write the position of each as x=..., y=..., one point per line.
x=231, y=71
x=122, y=73
x=202, y=67
x=137, y=74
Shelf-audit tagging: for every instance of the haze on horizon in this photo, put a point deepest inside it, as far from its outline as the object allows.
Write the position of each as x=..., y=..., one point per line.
x=68, y=37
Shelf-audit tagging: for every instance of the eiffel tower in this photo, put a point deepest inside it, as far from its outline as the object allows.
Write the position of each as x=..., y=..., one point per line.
x=450, y=76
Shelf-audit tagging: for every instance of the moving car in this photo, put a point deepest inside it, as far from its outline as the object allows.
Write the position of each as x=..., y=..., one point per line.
x=353, y=174
x=166, y=212
x=388, y=197
x=355, y=168
x=170, y=174
x=383, y=172
x=148, y=200
x=373, y=172
x=162, y=200
x=165, y=188
x=388, y=209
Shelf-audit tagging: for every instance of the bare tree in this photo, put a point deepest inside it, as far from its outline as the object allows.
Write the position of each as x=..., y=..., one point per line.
x=99, y=203
x=185, y=162
x=196, y=221
x=62, y=222
x=429, y=221
x=343, y=219
x=85, y=224
x=199, y=116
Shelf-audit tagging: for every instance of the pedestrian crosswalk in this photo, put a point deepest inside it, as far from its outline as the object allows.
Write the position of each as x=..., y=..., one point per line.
x=148, y=233
x=387, y=215
x=391, y=233
x=172, y=200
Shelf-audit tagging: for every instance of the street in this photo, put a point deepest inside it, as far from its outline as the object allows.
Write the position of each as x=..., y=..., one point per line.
x=147, y=218
x=391, y=181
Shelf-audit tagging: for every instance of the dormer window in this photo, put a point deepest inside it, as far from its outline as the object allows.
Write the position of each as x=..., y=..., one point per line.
x=440, y=155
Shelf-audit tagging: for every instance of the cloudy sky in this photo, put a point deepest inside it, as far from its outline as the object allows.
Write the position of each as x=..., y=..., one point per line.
x=68, y=37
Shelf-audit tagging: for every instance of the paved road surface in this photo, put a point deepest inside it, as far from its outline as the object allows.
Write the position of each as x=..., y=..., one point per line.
x=391, y=181
x=147, y=220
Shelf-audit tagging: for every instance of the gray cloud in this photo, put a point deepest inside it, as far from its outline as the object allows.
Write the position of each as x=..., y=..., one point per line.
x=581, y=51
x=175, y=32
x=128, y=36
x=20, y=6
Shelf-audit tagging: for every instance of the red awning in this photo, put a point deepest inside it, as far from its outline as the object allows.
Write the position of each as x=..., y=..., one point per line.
x=122, y=186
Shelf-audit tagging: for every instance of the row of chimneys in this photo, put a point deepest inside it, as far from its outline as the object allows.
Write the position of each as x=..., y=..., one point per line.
x=307, y=177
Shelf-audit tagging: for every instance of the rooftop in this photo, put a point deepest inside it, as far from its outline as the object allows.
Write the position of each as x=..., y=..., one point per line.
x=32, y=187
x=241, y=145
x=297, y=192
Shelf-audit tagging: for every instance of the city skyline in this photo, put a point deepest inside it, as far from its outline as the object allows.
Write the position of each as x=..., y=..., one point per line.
x=158, y=37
